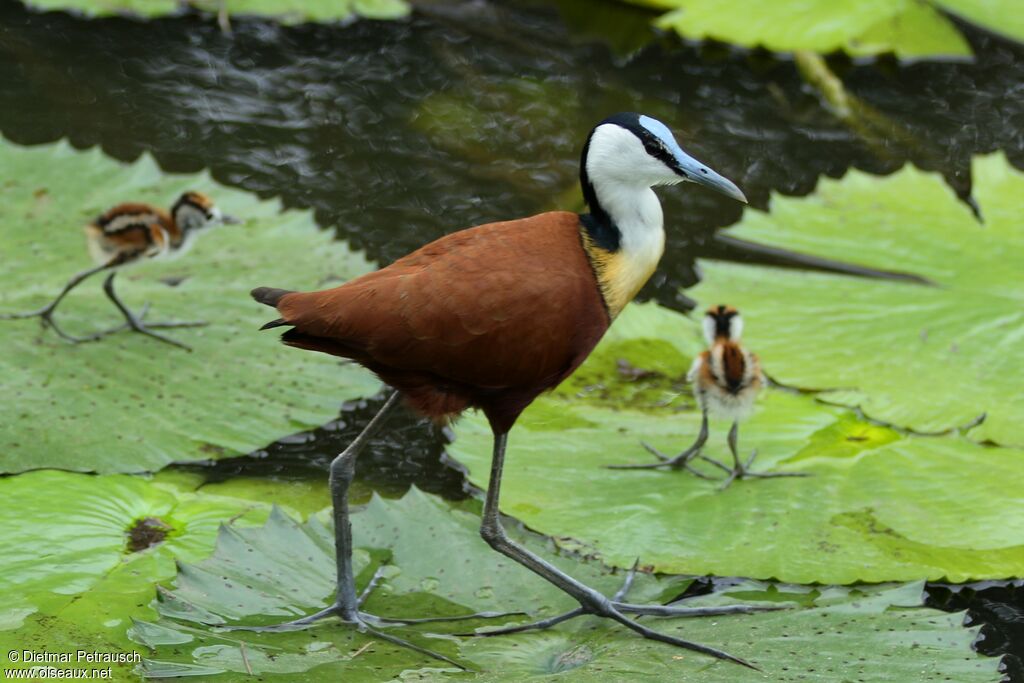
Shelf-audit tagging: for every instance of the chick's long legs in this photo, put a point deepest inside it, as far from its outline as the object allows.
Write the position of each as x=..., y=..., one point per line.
x=741, y=470
x=45, y=314
x=681, y=461
x=135, y=323
x=591, y=601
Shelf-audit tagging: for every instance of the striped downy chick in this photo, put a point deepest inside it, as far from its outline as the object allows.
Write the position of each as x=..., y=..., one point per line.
x=130, y=233
x=726, y=378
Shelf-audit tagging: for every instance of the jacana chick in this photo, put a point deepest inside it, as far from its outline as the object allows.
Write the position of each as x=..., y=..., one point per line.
x=492, y=316
x=127, y=234
x=726, y=380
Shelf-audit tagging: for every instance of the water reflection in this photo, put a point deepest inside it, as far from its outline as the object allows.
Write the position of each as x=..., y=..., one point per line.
x=397, y=132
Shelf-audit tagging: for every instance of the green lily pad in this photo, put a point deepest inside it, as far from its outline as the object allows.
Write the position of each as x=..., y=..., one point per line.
x=129, y=403
x=286, y=11
x=908, y=28
x=881, y=505
x=79, y=572
x=1002, y=17
x=439, y=565
x=927, y=358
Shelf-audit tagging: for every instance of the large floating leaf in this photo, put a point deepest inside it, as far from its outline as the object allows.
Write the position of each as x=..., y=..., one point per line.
x=439, y=565
x=288, y=11
x=130, y=403
x=927, y=358
x=909, y=28
x=78, y=572
x=880, y=506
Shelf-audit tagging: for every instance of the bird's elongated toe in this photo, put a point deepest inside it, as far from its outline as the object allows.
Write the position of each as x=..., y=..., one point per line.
x=363, y=622
x=616, y=610
x=371, y=623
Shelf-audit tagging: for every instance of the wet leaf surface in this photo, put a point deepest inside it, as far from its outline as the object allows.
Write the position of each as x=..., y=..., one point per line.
x=928, y=358
x=907, y=28
x=128, y=403
x=877, y=506
x=69, y=570
x=439, y=565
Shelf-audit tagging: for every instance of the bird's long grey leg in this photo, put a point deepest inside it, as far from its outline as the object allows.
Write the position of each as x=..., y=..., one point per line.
x=135, y=323
x=591, y=601
x=342, y=472
x=681, y=461
x=650, y=610
x=46, y=312
x=346, y=602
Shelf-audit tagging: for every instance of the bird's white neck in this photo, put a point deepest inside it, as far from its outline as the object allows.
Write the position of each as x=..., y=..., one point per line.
x=630, y=215
x=635, y=210
x=627, y=230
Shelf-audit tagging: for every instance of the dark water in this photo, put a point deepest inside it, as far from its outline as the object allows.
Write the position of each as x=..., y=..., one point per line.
x=397, y=132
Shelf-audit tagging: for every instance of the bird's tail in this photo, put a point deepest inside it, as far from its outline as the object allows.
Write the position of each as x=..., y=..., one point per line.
x=270, y=296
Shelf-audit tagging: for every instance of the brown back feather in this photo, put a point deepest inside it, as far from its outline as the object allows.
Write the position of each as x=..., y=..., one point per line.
x=733, y=365
x=488, y=317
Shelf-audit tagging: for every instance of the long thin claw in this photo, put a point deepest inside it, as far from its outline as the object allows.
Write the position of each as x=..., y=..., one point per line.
x=670, y=611
x=628, y=582
x=663, y=460
x=742, y=471
x=662, y=465
x=655, y=452
x=717, y=464
x=164, y=326
x=643, y=466
x=370, y=586
x=460, y=617
x=769, y=475
x=299, y=624
x=51, y=323
x=95, y=336
x=401, y=642
x=294, y=625
x=559, y=618
x=697, y=473
x=733, y=476
x=678, y=642
x=533, y=625
x=156, y=335
x=681, y=461
x=38, y=313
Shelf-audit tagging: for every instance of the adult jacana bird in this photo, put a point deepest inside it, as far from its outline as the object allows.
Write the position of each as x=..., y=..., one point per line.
x=726, y=380
x=492, y=316
x=127, y=234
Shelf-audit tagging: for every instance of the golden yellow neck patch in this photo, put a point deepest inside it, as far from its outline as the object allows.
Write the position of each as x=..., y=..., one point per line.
x=620, y=275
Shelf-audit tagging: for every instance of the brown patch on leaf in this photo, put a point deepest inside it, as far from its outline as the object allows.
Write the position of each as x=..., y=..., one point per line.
x=212, y=449
x=146, y=532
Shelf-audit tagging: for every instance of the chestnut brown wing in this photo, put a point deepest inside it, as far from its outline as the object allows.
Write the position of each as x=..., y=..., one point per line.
x=503, y=305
